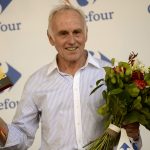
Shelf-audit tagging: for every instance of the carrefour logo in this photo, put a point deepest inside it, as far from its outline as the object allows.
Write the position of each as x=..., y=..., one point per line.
x=82, y=3
x=93, y=16
x=4, y=4
x=13, y=74
x=4, y=27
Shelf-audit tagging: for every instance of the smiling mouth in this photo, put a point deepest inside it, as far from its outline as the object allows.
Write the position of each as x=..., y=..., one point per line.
x=71, y=48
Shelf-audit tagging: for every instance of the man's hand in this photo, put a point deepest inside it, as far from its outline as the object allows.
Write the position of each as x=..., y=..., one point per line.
x=3, y=131
x=132, y=130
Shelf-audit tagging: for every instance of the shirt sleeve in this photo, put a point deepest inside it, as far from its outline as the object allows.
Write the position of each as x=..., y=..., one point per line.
x=24, y=125
x=14, y=139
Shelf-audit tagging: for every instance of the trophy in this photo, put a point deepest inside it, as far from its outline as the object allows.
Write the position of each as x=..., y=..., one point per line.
x=4, y=81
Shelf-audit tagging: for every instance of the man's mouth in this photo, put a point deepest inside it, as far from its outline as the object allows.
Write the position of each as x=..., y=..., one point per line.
x=71, y=48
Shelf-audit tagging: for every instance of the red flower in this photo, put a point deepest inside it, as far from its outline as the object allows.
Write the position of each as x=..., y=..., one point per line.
x=140, y=84
x=137, y=75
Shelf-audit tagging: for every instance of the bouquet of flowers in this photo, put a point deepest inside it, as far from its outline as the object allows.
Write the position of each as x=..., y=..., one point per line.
x=127, y=99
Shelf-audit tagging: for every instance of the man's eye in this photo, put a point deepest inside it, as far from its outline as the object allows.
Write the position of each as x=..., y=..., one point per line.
x=77, y=32
x=63, y=33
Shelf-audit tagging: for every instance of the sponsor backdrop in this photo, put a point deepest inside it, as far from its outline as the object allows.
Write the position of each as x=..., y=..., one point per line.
x=115, y=29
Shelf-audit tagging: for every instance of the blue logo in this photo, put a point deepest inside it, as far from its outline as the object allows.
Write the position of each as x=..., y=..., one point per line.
x=4, y=4
x=8, y=26
x=11, y=72
x=124, y=146
x=148, y=8
x=82, y=3
x=92, y=15
x=101, y=56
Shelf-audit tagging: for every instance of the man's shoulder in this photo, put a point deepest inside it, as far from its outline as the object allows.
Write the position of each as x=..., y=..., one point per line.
x=41, y=71
x=101, y=58
x=39, y=75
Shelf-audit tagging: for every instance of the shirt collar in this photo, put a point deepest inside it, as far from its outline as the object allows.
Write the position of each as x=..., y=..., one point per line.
x=93, y=60
x=90, y=60
x=52, y=66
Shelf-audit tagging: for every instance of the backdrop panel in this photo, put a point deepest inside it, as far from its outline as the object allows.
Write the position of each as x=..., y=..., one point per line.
x=115, y=28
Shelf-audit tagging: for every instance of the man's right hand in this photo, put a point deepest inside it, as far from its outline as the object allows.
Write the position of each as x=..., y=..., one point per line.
x=3, y=131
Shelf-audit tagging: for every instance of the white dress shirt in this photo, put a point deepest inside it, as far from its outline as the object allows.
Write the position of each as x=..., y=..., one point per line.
x=64, y=106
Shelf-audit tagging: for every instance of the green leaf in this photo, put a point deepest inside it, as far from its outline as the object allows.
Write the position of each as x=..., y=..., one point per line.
x=113, y=61
x=121, y=74
x=137, y=103
x=107, y=69
x=120, y=83
x=113, y=80
x=117, y=106
x=148, y=82
x=147, y=100
x=147, y=126
x=135, y=116
x=115, y=91
x=147, y=76
x=104, y=93
x=99, y=81
x=103, y=109
x=96, y=88
x=132, y=90
x=128, y=72
x=146, y=112
x=124, y=64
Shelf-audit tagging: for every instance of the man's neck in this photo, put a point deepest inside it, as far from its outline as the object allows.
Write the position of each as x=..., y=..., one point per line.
x=72, y=67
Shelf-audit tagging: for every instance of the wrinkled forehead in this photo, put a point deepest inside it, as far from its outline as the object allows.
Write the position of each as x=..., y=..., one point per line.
x=66, y=18
x=67, y=13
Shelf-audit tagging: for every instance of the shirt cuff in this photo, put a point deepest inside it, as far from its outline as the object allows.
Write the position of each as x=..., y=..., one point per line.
x=14, y=137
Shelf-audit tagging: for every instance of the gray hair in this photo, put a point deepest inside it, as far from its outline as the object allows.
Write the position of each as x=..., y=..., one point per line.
x=63, y=8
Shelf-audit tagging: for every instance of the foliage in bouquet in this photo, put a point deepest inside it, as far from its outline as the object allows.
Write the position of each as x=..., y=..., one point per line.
x=127, y=98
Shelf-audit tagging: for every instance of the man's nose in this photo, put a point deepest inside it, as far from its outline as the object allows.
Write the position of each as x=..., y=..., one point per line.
x=71, y=39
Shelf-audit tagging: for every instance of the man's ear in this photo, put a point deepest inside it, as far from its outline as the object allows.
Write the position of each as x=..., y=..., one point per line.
x=50, y=39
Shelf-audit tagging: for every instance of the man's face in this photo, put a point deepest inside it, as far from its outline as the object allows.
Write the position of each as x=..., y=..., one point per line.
x=68, y=35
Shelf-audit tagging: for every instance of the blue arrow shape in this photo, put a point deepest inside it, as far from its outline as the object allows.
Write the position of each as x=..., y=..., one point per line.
x=124, y=146
x=135, y=147
x=82, y=2
x=4, y=4
x=13, y=74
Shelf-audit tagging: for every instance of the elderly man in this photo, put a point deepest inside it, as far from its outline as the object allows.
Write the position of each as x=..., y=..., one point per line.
x=58, y=93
